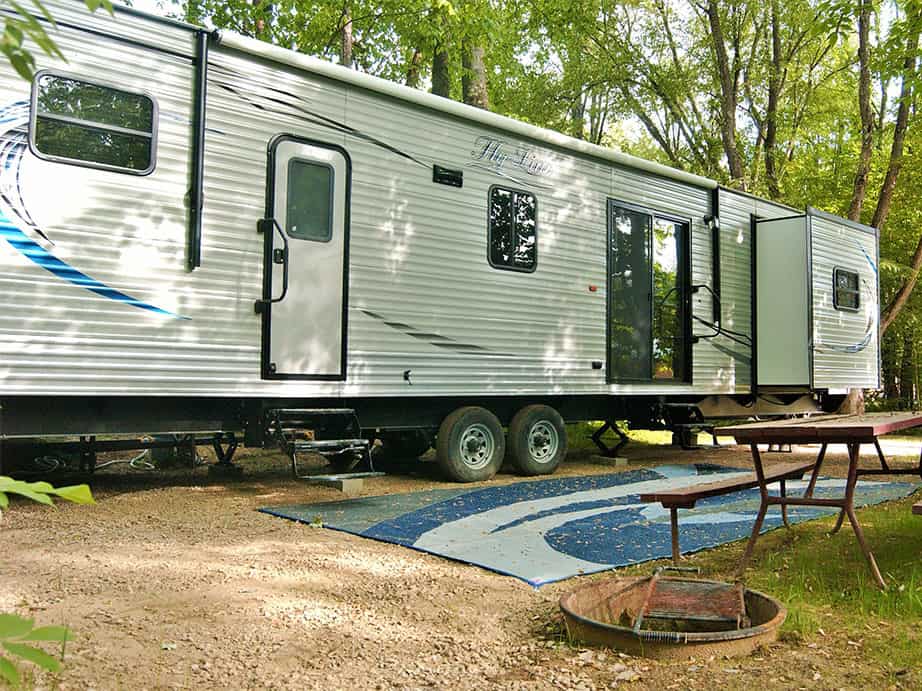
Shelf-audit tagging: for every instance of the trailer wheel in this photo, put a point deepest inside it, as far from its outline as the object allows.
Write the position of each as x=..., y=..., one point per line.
x=471, y=444
x=537, y=440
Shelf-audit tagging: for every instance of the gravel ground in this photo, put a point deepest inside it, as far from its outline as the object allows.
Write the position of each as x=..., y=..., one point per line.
x=175, y=581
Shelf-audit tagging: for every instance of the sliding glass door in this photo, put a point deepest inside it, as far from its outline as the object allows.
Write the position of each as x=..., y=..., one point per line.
x=648, y=311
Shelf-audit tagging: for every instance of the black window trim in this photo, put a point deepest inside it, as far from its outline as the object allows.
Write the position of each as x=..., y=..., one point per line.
x=152, y=135
x=687, y=327
x=835, y=290
x=504, y=267
x=319, y=164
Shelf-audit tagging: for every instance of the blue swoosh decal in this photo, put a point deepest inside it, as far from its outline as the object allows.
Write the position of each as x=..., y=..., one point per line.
x=43, y=258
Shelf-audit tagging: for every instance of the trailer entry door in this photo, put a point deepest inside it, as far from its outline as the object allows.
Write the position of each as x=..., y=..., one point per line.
x=305, y=283
x=648, y=296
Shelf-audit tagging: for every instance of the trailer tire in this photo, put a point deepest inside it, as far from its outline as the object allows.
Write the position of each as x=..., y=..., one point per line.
x=470, y=445
x=537, y=440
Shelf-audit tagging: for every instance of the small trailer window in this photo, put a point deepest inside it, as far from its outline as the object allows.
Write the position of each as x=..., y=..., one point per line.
x=513, y=230
x=309, y=204
x=75, y=121
x=846, y=293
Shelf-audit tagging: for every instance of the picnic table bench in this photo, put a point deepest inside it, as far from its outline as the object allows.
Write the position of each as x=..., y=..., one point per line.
x=687, y=497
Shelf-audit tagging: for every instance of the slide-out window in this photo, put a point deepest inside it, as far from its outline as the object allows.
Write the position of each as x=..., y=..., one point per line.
x=309, y=201
x=846, y=295
x=92, y=124
x=513, y=230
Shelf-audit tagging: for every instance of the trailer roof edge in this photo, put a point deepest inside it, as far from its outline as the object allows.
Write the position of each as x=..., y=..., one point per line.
x=461, y=110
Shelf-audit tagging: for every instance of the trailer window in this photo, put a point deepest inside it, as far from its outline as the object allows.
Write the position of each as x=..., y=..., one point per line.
x=85, y=123
x=309, y=204
x=513, y=230
x=846, y=295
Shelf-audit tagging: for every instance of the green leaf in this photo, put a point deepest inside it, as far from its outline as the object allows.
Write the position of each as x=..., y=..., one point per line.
x=4, y=500
x=45, y=13
x=22, y=491
x=79, y=494
x=93, y=5
x=9, y=672
x=34, y=655
x=14, y=33
x=14, y=626
x=20, y=62
x=48, y=633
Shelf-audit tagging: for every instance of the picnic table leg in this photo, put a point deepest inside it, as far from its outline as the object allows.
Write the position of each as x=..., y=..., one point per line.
x=880, y=455
x=674, y=523
x=816, y=472
x=849, y=509
x=757, y=526
x=784, y=507
x=851, y=466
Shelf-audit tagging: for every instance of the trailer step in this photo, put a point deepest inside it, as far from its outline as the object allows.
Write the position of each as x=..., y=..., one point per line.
x=330, y=432
x=329, y=445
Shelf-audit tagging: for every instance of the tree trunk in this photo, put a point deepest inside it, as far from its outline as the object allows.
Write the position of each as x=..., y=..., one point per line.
x=888, y=367
x=578, y=117
x=899, y=129
x=345, y=52
x=853, y=403
x=729, y=96
x=263, y=10
x=441, y=75
x=474, y=77
x=771, y=115
x=855, y=399
x=413, y=69
x=860, y=186
x=893, y=309
x=908, y=369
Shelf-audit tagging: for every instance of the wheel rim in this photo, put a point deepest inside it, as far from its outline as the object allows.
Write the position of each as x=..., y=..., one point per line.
x=477, y=446
x=543, y=442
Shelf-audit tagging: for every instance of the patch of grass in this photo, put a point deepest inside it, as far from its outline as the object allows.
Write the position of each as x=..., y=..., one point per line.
x=825, y=582
x=827, y=587
x=579, y=435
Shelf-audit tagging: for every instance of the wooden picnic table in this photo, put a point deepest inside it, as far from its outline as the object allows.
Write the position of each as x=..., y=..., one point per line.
x=851, y=430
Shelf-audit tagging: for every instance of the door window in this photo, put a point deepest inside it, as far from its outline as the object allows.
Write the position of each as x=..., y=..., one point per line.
x=668, y=329
x=309, y=201
x=629, y=295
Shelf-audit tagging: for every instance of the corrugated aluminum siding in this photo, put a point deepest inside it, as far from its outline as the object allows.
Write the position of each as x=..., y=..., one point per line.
x=126, y=231
x=845, y=343
x=418, y=253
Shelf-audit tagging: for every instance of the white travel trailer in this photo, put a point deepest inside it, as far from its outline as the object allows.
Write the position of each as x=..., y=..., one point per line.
x=204, y=233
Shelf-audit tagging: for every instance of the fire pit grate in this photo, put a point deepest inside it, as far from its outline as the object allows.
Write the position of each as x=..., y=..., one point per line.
x=662, y=616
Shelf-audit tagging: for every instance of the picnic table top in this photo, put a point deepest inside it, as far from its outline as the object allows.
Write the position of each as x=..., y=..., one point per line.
x=825, y=428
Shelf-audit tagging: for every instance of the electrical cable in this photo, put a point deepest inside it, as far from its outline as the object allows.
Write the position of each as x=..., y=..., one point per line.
x=718, y=331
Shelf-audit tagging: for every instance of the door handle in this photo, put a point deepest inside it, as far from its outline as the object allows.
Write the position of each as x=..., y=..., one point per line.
x=279, y=256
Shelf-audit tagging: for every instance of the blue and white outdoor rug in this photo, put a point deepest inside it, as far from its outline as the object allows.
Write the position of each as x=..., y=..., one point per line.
x=548, y=530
